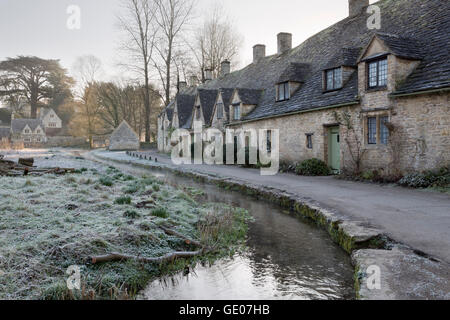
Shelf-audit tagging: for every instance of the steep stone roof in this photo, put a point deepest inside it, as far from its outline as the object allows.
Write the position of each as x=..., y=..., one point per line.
x=298, y=72
x=347, y=57
x=403, y=47
x=207, y=101
x=185, y=105
x=123, y=131
x=227, y=94
x=404, y=23
x=250, y=96
x=17, y=125
x=43, y=112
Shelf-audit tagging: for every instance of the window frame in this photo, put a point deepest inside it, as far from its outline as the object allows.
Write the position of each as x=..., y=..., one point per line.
x=220, y=111
x=377, y=61
x=237, y=108
x=309, y=141
x=372, y=140
x=375, y=136
x=334, y=78
x=269, y=141
x=286, y=91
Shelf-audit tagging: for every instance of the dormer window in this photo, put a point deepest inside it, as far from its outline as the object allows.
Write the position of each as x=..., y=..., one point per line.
x=237, y=112
x=283, y=91
x=377, y=73
x=220, y=111
x=197, y=114
x=333, y=79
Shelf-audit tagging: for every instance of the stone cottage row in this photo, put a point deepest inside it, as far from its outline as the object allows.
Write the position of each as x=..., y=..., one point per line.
x=356, y=98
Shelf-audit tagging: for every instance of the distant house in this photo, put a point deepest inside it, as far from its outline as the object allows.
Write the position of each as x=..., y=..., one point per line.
x=52, y=123
x=124, y=138
x=29, y=131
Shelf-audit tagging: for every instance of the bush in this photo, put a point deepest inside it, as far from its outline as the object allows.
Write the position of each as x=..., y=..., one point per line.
x=312, y=167
x=131, y=214
x=427, y=179
x=106, y=181
x=123, y=200
x=161, y=213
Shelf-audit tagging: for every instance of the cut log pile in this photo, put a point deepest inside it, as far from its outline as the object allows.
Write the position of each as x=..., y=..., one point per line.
x=25, y=167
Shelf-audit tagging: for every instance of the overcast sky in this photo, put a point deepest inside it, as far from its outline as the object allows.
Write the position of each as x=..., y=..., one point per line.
x=38, y=27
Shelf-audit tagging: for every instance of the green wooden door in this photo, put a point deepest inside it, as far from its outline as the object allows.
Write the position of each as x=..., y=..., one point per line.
x=334, y=147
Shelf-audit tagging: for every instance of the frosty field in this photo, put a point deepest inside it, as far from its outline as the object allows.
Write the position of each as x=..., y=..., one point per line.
x=52, y=222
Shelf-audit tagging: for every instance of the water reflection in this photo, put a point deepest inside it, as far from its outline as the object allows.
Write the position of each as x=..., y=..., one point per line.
x=285, y=258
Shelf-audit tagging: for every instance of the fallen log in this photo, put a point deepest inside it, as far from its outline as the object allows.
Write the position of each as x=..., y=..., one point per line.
x=170, y=257
x=28, y=162
x=171, y=232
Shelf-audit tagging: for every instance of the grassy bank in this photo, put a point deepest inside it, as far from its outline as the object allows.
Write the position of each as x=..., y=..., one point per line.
x=50, y=223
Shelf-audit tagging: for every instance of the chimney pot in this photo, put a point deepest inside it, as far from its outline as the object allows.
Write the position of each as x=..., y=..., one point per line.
x=284, y=42
x=193, y=81
x=208, y=74
x=225, y=68
x=259, y=52
x=356, y=6
x=182, y=85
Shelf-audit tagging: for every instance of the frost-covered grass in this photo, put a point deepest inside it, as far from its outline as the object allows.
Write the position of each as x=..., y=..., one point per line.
x=52, y=222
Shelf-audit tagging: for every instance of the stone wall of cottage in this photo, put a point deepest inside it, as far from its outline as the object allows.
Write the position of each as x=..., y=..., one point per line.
x=421, y=136
x=420, y=140
x=294, y=130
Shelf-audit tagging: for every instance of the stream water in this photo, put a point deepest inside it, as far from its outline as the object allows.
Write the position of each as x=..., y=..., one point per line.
x=286, y=257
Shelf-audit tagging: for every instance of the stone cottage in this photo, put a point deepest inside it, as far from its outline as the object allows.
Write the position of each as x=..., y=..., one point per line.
x=51, y=121
x=354, y=97
x=124, y=138
x=29, y=131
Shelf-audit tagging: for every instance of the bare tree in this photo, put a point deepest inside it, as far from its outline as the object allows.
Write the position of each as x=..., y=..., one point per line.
x=171, y=17
x=87, y=70
x=216, y=41
x=139, y=25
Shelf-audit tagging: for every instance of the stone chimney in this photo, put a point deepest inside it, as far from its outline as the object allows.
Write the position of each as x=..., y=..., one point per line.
x=182, y=85
x=355, y=7
x=225, y=68
x=193, y=81
x=259, y=52
x=284, y=42
x=208, y=74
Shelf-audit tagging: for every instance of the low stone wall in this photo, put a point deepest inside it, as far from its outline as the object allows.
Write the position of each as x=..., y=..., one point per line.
x=65, y=141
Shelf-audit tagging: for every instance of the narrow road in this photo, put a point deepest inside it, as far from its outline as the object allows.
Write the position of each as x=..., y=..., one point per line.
x=420, y=219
